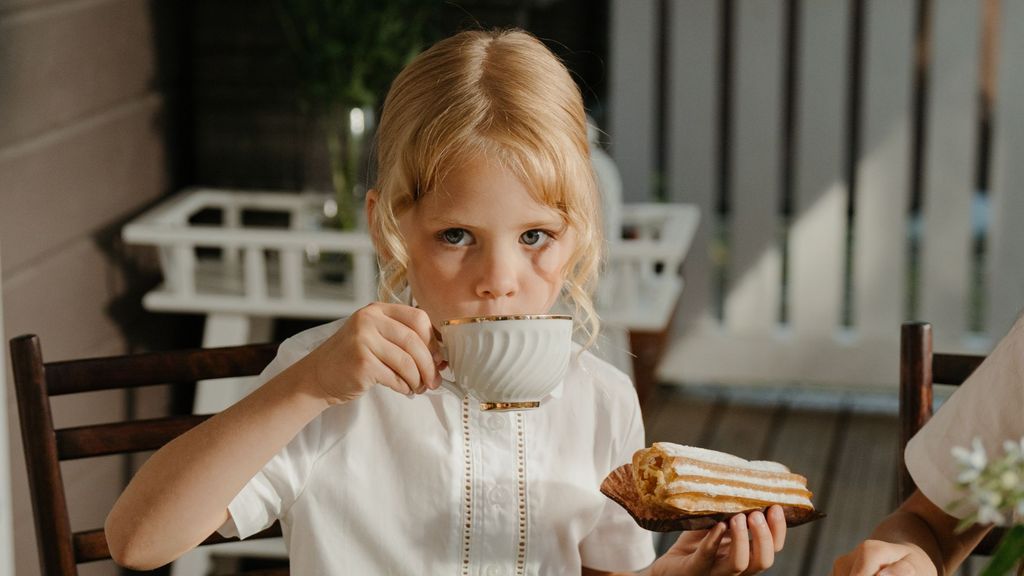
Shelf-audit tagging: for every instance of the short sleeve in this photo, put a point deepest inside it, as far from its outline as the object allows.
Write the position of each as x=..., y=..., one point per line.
x=987, y=406
x=269, y=494
x=617, y=543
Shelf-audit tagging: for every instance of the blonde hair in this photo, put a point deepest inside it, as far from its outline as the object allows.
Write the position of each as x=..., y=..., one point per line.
x=504, y=95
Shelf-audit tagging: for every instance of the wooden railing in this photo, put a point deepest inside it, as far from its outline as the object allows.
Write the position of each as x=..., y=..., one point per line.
x=839, y=150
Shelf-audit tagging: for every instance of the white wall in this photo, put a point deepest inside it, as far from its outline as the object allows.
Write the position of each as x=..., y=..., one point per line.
x=83, y=120
x=6, y=532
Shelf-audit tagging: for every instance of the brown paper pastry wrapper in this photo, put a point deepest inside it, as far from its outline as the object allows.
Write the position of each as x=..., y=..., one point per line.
x=620, y=487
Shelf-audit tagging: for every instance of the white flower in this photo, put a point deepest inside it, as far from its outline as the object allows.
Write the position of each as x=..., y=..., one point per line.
x=974, y=459
x=1013, y=448
x=987, y=515
x=994, y=488
x=968, y=475
x=988, y=498
x=1009, y=480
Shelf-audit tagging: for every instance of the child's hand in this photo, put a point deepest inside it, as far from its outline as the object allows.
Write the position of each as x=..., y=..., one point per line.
x=875, y=557
x=747, y=546
x=387, y=344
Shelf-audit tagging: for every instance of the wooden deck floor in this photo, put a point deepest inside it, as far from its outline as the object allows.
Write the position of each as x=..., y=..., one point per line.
x=844, y=444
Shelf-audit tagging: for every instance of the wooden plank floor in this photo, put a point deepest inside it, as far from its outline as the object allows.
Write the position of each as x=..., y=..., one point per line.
x=844, y=444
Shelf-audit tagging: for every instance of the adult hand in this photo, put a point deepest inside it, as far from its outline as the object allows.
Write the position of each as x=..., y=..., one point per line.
x=387, y=344
x=746, y=546
x=878, y=558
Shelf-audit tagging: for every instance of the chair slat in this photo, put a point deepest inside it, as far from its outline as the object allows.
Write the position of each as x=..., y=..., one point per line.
x=953, y=369
x=60, y=549
x=122, y=437
x=91, y=545
x=94, y=374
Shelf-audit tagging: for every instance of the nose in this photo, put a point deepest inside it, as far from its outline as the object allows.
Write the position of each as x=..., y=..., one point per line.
x=498, y=278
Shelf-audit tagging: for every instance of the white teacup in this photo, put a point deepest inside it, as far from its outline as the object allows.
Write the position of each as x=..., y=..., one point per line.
x=507, y=362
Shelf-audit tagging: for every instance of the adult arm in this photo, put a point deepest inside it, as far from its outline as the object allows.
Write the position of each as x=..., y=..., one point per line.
x=918, y=539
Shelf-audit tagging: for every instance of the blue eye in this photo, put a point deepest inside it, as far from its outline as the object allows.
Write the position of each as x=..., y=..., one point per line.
x=455, y=236
x=534, y=237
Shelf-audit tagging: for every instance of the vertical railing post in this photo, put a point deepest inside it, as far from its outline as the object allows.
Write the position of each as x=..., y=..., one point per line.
x=255, y=274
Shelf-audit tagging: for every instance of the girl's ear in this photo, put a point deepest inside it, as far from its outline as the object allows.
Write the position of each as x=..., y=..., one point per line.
x=371, y=204
x=372, y=196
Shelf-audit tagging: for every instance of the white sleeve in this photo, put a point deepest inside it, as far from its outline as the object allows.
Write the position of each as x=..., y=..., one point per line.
x=617, y=543
x=987, y=406
x=269, y=494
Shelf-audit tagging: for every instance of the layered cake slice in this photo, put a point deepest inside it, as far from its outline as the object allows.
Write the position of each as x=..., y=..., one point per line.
x=699, y=481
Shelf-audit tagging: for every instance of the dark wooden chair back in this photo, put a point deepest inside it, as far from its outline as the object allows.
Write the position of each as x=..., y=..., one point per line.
x=920, y=368
x=60, y=549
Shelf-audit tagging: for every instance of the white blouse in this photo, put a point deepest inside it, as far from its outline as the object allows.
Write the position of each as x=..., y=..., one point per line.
x=431, y=485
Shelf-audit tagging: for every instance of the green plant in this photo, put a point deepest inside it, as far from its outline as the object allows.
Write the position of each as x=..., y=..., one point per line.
x=345, y=54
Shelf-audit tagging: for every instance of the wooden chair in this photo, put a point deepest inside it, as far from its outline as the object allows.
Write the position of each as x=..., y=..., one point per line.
x=61, y=550
x=920, y=367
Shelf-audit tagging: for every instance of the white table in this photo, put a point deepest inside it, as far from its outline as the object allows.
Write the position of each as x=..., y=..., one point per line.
x=242, y=277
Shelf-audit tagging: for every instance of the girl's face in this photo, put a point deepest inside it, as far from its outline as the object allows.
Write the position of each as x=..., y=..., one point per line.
x=481, y=245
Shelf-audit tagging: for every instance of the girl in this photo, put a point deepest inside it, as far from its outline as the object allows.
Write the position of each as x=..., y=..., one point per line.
x=485, y=204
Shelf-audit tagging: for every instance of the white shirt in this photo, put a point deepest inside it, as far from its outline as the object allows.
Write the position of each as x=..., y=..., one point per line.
x=431, y=485
x=989, y=405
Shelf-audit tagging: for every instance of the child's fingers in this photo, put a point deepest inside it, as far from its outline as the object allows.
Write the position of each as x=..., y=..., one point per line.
x=398, y=362
x=705, y=555
x=408, y=340
x=419, y=322
x=380, y=373
x=762, y=547
x=777, y=523
x=415, y=318
x=689, y=541
x=739, y=552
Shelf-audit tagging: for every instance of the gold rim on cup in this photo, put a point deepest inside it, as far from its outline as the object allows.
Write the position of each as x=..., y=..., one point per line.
x=498, y=318
x=504, y=406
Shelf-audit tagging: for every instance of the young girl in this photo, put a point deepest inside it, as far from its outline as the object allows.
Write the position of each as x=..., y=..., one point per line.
x=485, y=204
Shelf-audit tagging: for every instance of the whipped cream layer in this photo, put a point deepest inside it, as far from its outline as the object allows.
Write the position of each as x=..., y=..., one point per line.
x=691, y=478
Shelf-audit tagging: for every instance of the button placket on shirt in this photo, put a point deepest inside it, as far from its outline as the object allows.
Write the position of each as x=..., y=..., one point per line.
x=496, y=422
x=495, y=570
x=495, y=511
x=499, y=495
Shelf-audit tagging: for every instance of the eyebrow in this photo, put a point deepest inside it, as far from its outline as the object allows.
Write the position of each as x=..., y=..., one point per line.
x=553, y=222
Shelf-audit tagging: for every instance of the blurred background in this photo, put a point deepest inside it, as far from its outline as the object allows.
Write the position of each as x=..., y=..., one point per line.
x=855, y=164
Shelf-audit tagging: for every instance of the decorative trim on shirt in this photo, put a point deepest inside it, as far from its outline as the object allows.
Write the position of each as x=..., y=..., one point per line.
x=467, y=479
x=521, y=494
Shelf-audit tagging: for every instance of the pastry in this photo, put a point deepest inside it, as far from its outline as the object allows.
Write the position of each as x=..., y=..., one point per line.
x=697, y=481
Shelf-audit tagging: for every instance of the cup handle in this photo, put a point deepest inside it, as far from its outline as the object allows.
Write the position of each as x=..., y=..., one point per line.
x=447, y=384
x=452, y=387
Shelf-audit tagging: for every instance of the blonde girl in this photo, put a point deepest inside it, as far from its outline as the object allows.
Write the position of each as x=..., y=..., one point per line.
x=485, y=204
